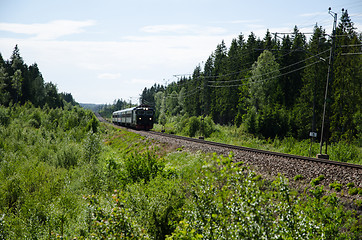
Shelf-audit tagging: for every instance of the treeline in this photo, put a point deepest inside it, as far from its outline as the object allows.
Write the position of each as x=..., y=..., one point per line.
x=274, y=86
x=107, y=109
x=20, y=83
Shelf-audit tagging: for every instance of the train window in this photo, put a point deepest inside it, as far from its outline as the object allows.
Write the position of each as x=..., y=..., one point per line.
x=149, y=112
x=140, y=112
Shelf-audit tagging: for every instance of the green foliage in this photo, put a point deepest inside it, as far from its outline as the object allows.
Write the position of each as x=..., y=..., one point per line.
x=353, y=191
x=298, y=177
x=192, y=126
x=142, y=167
x=317, y=180
x=343, y=152
x=4, y=116
x=336, y=186
x=43, y=172
x=157, y=205
x=107, y=110
x=227, y=203
x=113, y=223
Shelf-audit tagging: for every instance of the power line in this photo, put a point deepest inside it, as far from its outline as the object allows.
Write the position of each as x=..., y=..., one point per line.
x=190, y=93
x=351, y=45
x=283, y=74
x=344, y=54
x=244, y=70
x=236, y=80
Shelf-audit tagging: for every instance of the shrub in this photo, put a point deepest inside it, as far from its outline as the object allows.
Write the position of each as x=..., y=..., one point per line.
x=317, y=192
x=298, y=177
x=207, y=127
x=156, y=205
x=352, y=191
x=350, y=185
x=144, y=166
x=92, y=147
x=336, y=186
x=192, y=126
x=93, y=125
x=35, y=119
x=68, y=155
x=4, y=116
x=251, y=121
x=112, y=224
x=317, y=180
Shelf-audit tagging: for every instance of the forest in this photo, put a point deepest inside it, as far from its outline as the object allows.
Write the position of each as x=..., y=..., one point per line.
x=20, y=83
x=275, y=86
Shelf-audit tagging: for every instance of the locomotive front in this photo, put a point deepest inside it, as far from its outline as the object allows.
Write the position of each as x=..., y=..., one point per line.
x=144, y=118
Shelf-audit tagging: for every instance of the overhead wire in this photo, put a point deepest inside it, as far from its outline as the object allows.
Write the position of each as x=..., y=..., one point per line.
x=278, y=70
x=253, y=82
x=244, y=70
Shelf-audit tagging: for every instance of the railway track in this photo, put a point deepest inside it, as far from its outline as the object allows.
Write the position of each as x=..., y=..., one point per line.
x=258, y=151
x=268, y=162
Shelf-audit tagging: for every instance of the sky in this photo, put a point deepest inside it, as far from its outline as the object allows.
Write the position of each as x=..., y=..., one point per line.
x=100, y=51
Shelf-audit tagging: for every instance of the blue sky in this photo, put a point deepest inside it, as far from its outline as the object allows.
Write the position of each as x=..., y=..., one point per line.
x=104, y=50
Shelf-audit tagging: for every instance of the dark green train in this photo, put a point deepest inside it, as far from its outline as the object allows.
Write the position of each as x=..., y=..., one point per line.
x=140, y=117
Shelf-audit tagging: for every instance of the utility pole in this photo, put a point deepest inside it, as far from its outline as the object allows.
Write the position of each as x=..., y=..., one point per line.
x=329, y=79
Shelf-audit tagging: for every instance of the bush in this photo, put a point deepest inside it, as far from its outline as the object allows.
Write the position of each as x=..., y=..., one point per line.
x=68, y=155
x=142, y=167
x=35, y=119
x=298, y=177
x=207, y=127
x=336, y=186
x=156, y=205
x=317, y=180
x=4, y=116
x=353, y=191
x=192, y=126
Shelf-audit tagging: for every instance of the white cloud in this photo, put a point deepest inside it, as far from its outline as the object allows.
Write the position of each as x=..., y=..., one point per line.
x=239, y=21
x=314, y=14
x=183, y=29
x=48, y=31
x=109, y=76
x=143, y=81
x=128, y=66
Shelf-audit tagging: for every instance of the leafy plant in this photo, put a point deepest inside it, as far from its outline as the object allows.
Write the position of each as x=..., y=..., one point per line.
x=353, y=191
x=317, y=180
x=336, y=186
x=298, y=177
x=142, y=167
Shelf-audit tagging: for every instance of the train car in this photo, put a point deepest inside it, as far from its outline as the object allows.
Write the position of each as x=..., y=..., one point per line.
x=140, y=117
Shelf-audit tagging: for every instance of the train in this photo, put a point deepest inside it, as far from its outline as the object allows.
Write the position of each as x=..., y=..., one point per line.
x=140, y=117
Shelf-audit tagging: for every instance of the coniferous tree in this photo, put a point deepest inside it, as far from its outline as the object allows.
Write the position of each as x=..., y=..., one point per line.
x=206, y=90
x=295, y=81
x=16, y=82
x=217, y=106
x=4, y=95
x=309, y=106
x=346, y=94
